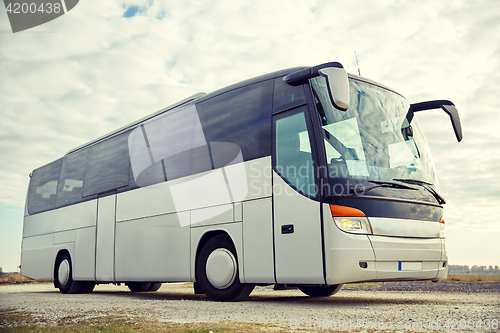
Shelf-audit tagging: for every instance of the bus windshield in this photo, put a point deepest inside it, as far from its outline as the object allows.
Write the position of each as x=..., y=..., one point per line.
x=376, y=140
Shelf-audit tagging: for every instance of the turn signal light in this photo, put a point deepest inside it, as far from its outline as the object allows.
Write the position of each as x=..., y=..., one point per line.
x=345, y=211
x=441, y=231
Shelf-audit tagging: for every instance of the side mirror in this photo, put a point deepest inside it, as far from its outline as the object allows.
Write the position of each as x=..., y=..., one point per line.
x=448, y=107
x=336, y=80
x=338, y=86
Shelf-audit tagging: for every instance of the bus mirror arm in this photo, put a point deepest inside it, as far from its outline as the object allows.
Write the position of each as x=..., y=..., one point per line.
x=448, y=107
x=336, y=80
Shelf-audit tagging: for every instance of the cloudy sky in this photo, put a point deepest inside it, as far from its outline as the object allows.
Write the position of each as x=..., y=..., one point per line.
x=107, y=63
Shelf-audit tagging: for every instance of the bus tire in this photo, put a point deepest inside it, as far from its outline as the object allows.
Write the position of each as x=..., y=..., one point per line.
x=317, y=291
x=87, y=287
x=217, y=271
x=154, y=286
x=138, y=286
x=63, y=277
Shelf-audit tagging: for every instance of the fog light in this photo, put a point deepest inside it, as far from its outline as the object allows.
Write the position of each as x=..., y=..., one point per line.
x=363, y=264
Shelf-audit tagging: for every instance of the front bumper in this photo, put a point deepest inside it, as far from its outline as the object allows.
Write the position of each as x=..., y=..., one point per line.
x=414, y=251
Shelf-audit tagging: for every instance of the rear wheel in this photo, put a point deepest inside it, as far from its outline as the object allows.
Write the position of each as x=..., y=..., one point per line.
x=316, y=291
x=217, y=271
x=63, y=277
x=138, y=286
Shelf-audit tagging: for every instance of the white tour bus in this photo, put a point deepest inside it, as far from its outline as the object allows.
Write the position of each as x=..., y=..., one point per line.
x=305, y=177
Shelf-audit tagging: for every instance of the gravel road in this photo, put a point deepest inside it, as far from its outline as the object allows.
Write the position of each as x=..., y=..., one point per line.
x=397, y=306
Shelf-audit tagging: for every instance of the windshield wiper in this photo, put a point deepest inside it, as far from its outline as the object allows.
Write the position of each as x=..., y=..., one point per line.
x=426, y=185
x=377, y=183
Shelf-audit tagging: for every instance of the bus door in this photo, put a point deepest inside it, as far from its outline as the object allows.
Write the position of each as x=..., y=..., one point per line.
x=105, y=238
x=297, y=218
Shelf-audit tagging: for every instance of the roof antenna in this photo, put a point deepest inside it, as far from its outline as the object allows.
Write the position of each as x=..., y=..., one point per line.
x=359, y=72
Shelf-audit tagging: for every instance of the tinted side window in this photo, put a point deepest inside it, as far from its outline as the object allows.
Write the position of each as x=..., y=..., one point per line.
x=241, y=117
x=293, y=151
x=287, y=96
x=131, y=181
x=70, y=187
x=107, y=166
x=169, y=146
x=43, y=187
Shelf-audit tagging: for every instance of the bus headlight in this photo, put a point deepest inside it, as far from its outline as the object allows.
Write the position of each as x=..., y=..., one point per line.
x=354, y=225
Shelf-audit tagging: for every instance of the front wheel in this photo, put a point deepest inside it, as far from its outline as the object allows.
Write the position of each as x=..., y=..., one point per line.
x=87, y=287
x=154, y=286
x=63, y=277
x=317, y=291
x=217, y=271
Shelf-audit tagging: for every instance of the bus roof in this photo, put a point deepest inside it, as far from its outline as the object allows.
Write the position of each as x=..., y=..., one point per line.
x=249, y=82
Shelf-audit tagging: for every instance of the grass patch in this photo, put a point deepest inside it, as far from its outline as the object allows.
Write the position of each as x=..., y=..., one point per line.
x=12, y=278
x=11, y=317
x=474, y=277
x=12, y=321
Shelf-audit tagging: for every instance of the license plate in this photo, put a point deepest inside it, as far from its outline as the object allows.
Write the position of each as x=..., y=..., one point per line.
x=409, y=266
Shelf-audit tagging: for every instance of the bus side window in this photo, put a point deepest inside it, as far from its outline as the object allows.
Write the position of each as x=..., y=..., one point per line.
x=287, y=96
x=107, y=166
x=70, y=187
x=293, y=151
x=241, y=117
x=43, y=187
x=168, y=147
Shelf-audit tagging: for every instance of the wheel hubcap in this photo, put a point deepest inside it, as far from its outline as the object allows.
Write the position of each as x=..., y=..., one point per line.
x=221, y=268
x=63, y=273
